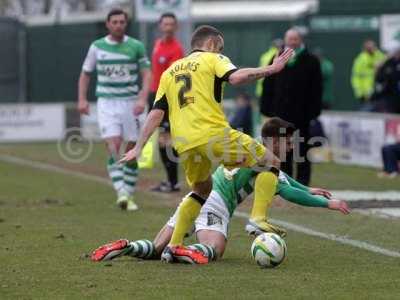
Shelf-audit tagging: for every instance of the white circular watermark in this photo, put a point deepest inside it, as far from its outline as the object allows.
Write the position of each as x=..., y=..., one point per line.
x=74, y=148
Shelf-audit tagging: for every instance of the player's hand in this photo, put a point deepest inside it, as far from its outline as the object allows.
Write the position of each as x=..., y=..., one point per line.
x=139, y=108
x=270, y=159
x=339, y=205
x=130, y=155
x=140, y=105
x=321, y=192
x=276, y=162
x=281, y=60
x=83, y=107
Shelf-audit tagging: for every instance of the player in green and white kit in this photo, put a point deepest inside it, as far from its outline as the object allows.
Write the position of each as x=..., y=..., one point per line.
x=230, y=188
x=119, y=61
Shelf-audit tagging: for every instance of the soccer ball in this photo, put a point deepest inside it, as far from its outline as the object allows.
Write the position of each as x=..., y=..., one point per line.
x=268, y=250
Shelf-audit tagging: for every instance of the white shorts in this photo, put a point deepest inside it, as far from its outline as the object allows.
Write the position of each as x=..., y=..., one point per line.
x=214, y=216
x=115, y=118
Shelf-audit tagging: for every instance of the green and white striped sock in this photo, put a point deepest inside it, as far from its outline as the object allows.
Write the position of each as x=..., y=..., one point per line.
x=206, y=249
x=116, y=174
x=142, y=249
x=131, y=172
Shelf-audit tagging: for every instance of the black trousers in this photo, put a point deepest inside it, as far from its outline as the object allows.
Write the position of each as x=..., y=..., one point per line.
x=391, y=157
x=298, y=157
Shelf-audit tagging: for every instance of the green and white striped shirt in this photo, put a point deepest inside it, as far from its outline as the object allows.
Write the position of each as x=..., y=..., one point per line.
x=117, y=66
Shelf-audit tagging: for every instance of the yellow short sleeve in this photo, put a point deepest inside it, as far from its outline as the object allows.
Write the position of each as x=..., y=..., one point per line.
x=223, y=66
x=161, y=88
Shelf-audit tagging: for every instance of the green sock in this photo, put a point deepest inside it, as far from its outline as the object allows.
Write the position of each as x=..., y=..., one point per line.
x=131, y=172
x=116, y=174
x=206, y=250
x=142, y=249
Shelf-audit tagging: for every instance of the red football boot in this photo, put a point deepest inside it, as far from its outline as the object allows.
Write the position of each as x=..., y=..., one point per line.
x=183, y=254
x=111, y=250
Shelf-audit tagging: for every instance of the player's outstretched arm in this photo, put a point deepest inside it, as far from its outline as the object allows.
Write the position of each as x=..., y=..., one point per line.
x=297, y=184
x=321, y=192
x=305, y=198
x=248, y=75
x=153, y=121
x=313, y=191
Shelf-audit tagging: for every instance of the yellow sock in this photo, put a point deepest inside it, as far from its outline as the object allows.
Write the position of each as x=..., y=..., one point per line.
x=264, y=192
x=187, y=213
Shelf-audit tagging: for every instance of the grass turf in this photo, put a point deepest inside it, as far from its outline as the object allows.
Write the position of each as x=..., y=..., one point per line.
x=49, y=223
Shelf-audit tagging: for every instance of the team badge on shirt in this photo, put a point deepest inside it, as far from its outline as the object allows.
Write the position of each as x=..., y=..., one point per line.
x=213, y=219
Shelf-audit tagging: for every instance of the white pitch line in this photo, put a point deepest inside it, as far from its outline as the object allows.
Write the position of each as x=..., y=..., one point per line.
x=48, y=167
x=290, y=226
x=366, y=195
x=329, y=236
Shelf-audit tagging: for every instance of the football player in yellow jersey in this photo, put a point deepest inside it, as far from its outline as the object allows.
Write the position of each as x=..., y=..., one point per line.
x=190, y=91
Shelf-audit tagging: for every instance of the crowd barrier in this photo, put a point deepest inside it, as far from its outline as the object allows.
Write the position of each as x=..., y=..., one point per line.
x=31, y=122
x=357, y=138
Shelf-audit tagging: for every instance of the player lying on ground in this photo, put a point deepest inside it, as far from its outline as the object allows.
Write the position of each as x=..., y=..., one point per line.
x=230, y=188
x=190, y=90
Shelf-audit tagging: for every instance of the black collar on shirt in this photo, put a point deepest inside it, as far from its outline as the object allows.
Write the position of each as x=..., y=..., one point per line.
x=196, y=50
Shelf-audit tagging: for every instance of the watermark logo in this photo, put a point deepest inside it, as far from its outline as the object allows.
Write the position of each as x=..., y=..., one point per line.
x=232, y=150
x=74, y=148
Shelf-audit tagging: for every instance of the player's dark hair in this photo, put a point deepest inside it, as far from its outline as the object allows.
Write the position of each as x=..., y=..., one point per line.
x=167, y=15
x=202, y=33
x=116, y=12
x=277, y=127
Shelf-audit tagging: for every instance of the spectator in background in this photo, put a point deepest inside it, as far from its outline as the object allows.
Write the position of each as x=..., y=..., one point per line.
x=363, y=73
x=386, y=97
x=327, y=70
x=391, y=158
x=242, y=118
x=295, y=95
x=266, y=59
x=167, y=49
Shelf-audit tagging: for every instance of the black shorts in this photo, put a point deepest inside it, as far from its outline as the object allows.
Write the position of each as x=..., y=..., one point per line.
x=165, y=122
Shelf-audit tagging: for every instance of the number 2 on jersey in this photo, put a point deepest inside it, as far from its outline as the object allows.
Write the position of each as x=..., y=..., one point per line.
x=186, y=87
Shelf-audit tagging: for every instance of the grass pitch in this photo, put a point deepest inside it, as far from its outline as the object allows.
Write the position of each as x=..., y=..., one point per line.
x=49, y=222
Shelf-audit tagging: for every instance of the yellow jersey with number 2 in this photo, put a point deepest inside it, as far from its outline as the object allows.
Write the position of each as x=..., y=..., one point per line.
x=192, y=90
